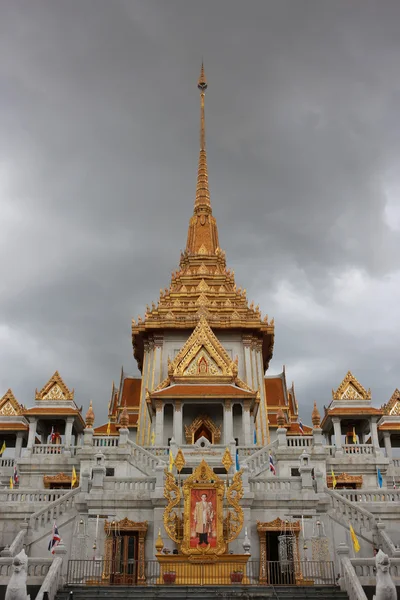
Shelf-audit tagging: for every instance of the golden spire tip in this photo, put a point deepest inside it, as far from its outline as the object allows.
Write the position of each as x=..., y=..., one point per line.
x=202, y=82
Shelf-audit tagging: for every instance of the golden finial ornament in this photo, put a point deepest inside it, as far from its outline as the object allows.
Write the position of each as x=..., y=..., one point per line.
x=315, y=417
x=280, y=418
x=159, y=542
x=90, y=416
x=179, y=461
x=227, y=460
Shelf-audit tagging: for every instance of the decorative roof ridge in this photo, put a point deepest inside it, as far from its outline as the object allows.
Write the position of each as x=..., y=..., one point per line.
x=16, y=407
x=393, y=400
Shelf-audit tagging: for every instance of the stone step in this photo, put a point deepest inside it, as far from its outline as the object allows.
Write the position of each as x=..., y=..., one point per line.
x=172, y=592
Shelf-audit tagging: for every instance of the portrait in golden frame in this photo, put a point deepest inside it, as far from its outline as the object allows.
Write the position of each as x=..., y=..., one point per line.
x=203, y=495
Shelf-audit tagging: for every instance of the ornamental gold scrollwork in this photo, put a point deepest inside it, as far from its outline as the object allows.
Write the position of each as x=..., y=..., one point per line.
x=234, y=518
x=173, y=494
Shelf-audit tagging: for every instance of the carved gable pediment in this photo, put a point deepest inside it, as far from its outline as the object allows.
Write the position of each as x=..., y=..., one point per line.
x=9, y=405
x=202, y=356
x=393, y=406
x=351, y=389
x=55, y=389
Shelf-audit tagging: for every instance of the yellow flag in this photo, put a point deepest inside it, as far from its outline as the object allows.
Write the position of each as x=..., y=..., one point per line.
x=171, y=461
x=2, y=448
x=153, y=438
x=109, y=428
x=355, y=541
x=354, y=436
x=74, y=478
x=334, y=482
x=11, y=484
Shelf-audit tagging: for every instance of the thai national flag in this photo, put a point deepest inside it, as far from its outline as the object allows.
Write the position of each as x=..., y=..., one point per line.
x=271, y=465
x=301, y=427
x=15, y=476
x=55, y=539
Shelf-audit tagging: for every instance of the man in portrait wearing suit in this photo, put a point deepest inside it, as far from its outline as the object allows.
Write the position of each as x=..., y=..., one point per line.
x=203, y=517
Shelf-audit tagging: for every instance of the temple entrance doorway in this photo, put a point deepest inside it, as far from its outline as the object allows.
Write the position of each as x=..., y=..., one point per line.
x=203, y=431
x=125, y=551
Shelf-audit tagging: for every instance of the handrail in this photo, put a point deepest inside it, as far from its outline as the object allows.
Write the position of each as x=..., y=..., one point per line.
x=352, y=511
x=352, y=584
x=260, y=459
x=145, y=459
x=371, y=495
x=29, y=495
x=52, y=580
x=48, y=513
x=17, y=543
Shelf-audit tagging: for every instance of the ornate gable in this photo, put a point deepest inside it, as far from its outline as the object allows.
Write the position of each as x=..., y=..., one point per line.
x=9, y=406
x=55, y=389
x=393, y=406
x=351, y=389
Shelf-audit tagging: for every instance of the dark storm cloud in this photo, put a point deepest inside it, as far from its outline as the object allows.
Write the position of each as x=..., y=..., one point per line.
x=98, y=156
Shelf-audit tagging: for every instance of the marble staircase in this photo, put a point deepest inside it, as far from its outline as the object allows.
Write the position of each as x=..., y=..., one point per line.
x=232, y=592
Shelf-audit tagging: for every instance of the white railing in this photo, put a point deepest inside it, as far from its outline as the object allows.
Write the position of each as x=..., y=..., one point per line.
x=330, y=450
x=352, y=584
x=52, y=580
x=161, y=451
x=259, y=461
x=366, y=568
x=37, y=567
x=351, y=511
x=143, y=459
x=359, y=449
x=245, y=451
x=48, y=449
x=371, y=495
x=130, y=484
x=299, y=441
x=46, y=516
x=17, y=544
x=107, y=441
x=28, y=495
x=273, y=484
x=7, y=462
x=396, y=462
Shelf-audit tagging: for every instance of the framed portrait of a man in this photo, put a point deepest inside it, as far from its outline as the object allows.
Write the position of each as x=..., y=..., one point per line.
x=203, y=513
x=203, y=493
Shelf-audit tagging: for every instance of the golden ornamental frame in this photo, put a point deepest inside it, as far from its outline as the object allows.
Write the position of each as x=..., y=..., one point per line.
x=203, y=477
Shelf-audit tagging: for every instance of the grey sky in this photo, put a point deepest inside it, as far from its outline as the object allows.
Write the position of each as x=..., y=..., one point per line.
x=98, y=157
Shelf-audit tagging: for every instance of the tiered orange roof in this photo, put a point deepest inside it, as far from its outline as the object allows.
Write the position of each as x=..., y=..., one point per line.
x=203, y=285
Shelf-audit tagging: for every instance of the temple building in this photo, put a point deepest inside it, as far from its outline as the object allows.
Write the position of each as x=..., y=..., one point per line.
x=203, y=457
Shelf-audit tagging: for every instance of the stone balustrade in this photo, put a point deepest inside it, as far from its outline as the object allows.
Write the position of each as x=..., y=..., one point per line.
x=260, y=460
x=53, y=579
x=6, y=462
x=50, y=513
x=362, y=449
x=161, y=451
x=375, y=495
x=299, y=441
x=351, y=511
x=142, y=458
x=37, y=567
x=365, y=569
x=396, y=462
x=274, y=484
x=130, y=484
x=349, y=580
x=245, y=451
x=330, y=450
x=106, y=441
x=53, y=449
x=29, y=495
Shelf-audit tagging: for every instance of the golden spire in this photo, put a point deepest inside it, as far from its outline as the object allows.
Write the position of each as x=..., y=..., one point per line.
x=203, y=234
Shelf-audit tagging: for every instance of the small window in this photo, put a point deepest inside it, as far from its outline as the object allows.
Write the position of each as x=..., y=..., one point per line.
x=295, y=472
x=110, y=472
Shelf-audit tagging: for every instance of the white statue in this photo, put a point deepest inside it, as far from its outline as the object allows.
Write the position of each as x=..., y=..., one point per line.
x=385, y=588
x=16, y=589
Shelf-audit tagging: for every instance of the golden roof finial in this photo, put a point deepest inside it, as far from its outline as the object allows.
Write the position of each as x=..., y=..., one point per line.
x=202, y=191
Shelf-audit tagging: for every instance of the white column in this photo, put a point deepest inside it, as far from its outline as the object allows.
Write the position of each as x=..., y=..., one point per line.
x=374, y=435
x=228, y=422
x=388, y=444
x=32, y=432
x=178, y=423
x=159, y=422
x=247, y=423
x=18, y=443
x=337, y=428
x=68, y=431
